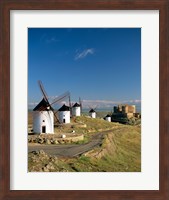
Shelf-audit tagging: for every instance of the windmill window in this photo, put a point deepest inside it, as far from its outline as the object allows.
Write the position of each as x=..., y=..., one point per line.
x=43, y=120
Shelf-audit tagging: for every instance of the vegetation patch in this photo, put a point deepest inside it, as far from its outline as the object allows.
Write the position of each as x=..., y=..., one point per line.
x=120, y=151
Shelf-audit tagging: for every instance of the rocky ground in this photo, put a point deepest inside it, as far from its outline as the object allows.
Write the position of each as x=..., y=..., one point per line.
x=42, y=162
x=119, y=151
x=65, y=138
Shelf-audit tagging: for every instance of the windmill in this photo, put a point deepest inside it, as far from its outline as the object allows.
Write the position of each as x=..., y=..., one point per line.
x=64, y=114
x=92, y=112
x=80, y=102
x=44, y=114
x=108, y=117
x=77, y=108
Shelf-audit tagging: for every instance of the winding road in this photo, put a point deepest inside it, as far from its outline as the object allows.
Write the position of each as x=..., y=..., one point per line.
x=70, y=150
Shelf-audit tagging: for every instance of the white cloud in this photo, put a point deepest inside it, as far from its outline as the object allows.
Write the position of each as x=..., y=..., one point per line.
x=52, y=39
x=106, y=103
x=84, y=53
x=135, y=101
x=86, y=103
x=48, y=40
x=32, y=103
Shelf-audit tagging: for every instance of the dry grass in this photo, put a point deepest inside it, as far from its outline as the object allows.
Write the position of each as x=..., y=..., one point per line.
x=119, y=152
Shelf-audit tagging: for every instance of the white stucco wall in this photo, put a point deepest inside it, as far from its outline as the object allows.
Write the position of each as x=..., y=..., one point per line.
x=43, y=118
x=108, y=119
x=93, y=115
x=76, y=111
x=64, y=115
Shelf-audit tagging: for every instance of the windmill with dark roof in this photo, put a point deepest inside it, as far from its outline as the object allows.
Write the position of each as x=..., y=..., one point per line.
x=44, y=114
x=92, y=112
x=108, y=117
x=64, y=114
x=76, y=109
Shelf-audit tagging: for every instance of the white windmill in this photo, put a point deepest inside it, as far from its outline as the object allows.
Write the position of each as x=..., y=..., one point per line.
x=92, y=112
x=77, y=108
x=64, y=114
x=108, y=118
x=43, y=113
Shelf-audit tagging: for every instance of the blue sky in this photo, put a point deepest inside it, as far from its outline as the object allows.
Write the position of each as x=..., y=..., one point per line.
x=100, y=65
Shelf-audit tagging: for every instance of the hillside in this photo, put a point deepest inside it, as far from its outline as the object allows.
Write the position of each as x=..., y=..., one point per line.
x=120, y=150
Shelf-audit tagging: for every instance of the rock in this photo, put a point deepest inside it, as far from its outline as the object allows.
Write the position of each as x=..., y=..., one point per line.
x=55, y=142
x=52, y=141
x=34, y=158
x=42, y=152
x=48, y=141
x=45, y=169
x=49, y=166
x=67, y=141
x=41, y=141
x=61, y=141
x=30, y=139
x=35, y=152
x=36, y=140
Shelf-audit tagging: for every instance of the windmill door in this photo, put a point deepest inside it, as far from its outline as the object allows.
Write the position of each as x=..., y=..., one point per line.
x=43, y=129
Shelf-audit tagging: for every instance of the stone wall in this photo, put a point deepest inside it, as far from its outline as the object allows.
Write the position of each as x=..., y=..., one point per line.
x=53, y=139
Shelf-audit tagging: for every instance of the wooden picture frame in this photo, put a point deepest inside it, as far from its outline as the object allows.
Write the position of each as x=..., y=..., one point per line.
x=5, y=7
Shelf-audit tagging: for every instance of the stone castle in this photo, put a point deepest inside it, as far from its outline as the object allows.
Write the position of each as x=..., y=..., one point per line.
x=125, y=111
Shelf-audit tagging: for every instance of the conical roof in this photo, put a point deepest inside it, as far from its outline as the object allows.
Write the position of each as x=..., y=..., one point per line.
x=76, y=105
x=64, y=108
x=42, y=106
x=92, y=111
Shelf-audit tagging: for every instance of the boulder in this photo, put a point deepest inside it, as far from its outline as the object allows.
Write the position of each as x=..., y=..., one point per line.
x=55, y=142
x=48, y=141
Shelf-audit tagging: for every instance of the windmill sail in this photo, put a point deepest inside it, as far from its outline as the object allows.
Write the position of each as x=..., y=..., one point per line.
x=43, y=91
x=45, y=105
x=80, y=102
x=61, y=98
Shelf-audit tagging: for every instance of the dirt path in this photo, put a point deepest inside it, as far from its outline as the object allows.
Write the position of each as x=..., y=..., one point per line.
x=70, y=150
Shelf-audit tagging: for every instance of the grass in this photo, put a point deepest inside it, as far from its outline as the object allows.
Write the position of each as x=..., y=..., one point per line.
x=92, y=126
x=119, y=152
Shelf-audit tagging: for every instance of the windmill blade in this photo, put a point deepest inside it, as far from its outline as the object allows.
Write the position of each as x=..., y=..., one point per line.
x=55, y=115
x=90, y=107
x=43, y=91
x=70, y=106
x=80, y=102
x=60, y=98
x=95, y=107
x=56, y=118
